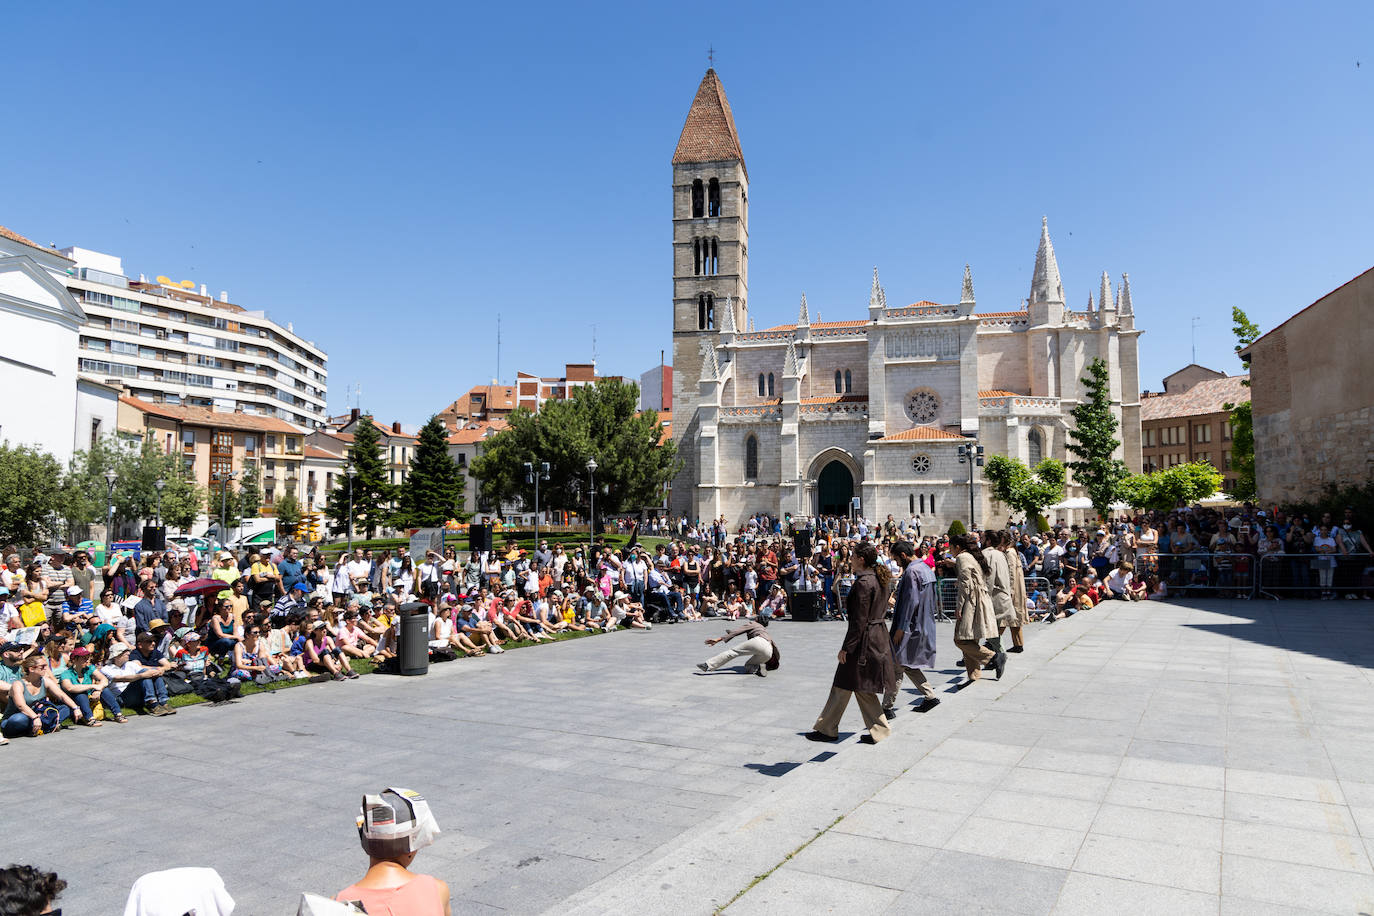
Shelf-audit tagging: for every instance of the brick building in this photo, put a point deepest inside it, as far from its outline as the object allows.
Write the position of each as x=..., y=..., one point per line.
x=803, y=417
x=1188, y=420
x=1313, y=396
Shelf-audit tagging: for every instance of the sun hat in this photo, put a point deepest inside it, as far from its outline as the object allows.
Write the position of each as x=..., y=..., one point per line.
x=395, y=822
x=156, y=622
x=117, y=649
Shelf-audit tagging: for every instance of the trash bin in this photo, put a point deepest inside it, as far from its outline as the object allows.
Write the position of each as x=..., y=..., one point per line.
x=412, y=635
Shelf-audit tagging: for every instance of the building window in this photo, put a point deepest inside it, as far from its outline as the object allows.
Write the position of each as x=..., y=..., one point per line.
x=762, y=390
x=839, y=382
x=1149, y=438
x=1202, y=432
x=848, y=382
x=923, y=502
x=270, y=443
x=713, y=198
x=698, y=200
x=705, y=257
x=706, y=311
x=250, y=444
x=1226, y=431
x=1035, y=448
x=751, y=457
x=770, y=384
x=1226, y=460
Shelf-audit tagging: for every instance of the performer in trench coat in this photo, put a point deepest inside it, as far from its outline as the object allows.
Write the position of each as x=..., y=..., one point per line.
x=1018, y=593
x=913, y=625
x=974, y=618
x=865, y=670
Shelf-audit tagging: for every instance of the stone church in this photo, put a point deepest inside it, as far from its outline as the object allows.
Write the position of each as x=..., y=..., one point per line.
x=802, y=418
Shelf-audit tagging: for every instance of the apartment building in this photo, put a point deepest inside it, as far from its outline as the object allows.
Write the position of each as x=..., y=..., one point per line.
x=1188, y=422
x=465, y=446
x=169, y=344
x=217, y=446
x=481, y=403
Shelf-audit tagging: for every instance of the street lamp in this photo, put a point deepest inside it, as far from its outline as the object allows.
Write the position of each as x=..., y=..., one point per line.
x=159, y=484
x=973, y=455
x=532, y=477
x=350, y=471
x=110, y=478
x=591, y=509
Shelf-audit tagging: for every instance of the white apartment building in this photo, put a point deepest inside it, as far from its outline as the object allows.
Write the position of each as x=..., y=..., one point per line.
x=171, y=345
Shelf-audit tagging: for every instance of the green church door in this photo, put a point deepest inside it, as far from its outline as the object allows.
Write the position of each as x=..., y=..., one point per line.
x=835, y=488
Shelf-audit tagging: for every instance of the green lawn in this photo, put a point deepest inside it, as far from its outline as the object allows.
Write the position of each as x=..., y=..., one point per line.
x=361, y=665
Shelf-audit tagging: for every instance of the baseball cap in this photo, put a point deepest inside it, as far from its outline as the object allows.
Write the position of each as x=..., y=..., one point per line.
x=80, y=652
x=13, y=647
x=300, y=587
x=317, y=625
x=74, y=590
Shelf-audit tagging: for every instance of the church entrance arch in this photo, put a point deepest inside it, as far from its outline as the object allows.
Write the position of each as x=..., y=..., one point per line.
x=834, y=489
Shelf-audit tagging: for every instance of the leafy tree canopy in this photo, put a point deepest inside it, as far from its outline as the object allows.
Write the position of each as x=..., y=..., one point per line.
x=1164, y=489
x=372, y=492
x=433, y=489
x=1027, y=491
x=31, y=497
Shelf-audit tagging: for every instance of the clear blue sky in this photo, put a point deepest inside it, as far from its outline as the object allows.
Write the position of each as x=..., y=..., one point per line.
x=390, y=177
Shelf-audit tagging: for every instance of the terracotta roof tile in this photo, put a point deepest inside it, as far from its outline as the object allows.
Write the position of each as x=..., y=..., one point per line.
x=16, y=237
x=709, y=133
x=312, y=451
x=921, y=434
x=216, y=419
x=837, y=399
x=819, y=324
x=477, y=432
x=1020, y=314
x=1203, y=398
x=996, y=393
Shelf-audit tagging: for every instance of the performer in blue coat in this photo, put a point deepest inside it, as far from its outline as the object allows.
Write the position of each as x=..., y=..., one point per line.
x=913, y=624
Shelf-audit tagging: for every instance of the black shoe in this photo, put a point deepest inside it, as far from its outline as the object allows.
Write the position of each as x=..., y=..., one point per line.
x=818, y=736
x=867, y=739
x=1017, y=649
x=991, y=665
x=928, y=704
x=890, y=712
x=702, y=666
x=1000, y=662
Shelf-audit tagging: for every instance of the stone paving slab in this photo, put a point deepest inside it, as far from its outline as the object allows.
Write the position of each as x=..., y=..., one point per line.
x=1138, y=758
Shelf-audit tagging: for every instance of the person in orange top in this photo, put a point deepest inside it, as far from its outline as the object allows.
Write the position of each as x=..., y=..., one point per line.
x=545, y=582
x=393, y=826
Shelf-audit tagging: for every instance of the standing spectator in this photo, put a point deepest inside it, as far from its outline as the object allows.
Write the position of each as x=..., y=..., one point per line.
x=290, y=568
x=150, y=605
x=83, y=573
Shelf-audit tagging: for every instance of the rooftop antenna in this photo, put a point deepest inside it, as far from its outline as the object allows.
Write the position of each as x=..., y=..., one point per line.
x=498, y=348
x=593, y=349
x=1196, y=319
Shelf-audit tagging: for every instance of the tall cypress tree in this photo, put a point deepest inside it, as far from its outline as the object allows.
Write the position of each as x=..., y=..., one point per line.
x=433, y=489
x=372, y=492
x=1094, y=441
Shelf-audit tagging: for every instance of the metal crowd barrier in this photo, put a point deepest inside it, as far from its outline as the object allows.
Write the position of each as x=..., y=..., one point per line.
x=1200, y=573
x=1312, y=575
x=947, y=593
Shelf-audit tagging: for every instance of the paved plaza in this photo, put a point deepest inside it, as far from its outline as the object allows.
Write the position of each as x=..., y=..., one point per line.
x=1137, y=758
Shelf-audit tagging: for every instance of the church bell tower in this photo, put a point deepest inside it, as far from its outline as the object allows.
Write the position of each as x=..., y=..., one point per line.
x=710, y=259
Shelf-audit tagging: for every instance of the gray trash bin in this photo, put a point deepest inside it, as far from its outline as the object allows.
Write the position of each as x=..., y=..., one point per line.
x=412, y=637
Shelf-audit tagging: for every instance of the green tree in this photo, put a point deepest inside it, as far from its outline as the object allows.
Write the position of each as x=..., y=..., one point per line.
x=1026, y=491
x=182, y=498
x=372, y=492
x=250, y=491
x=957, y=527
x=288, y=514
x=31, y=497
x=1093, y=441
x=85, y=491
x=1164, y=489
x=222, y=502
x=1242, y=420
x=599, y=422
x=433, y=489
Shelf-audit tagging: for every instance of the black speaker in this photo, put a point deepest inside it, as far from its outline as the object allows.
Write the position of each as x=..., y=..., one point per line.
x=154, y=537
x=479, y=538
x=802, y=541
x=807, y=605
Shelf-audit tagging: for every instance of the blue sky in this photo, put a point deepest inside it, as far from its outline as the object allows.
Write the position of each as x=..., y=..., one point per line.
x=391, y=177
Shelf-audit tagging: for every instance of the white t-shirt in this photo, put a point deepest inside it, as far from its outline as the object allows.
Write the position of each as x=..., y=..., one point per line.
x=358, y=569
x=1118, y=580
x=113, y=671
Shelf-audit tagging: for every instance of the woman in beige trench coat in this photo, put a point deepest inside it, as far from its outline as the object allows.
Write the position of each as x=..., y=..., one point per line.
x=1018, y=592
x=974, y=618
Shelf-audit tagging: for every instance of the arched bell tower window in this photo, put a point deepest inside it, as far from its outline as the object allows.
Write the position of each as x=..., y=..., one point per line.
x=770, y=384
x=713, y=202
x=839, y=382
x=706, y=311
x=698, y=199
x=848, y=382
x=1035, y=447
x=761, y=385
x=751, y=457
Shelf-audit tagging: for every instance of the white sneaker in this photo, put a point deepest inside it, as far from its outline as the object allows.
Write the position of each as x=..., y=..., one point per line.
x=495, y=650
x=648, y=626
x=301, y=675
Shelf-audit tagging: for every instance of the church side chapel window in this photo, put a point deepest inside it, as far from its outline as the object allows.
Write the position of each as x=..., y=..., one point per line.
x=713, y=199
x=848, y=382
x=1035, y=450
x=770, y=384
x=698, y=199
x=761, y=385
x=839, y=382
x=751, y=457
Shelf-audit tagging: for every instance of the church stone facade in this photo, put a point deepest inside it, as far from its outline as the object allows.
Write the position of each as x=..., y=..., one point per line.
x=802, y=418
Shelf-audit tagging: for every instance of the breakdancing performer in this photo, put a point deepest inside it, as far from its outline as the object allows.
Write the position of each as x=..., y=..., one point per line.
x=758, y=646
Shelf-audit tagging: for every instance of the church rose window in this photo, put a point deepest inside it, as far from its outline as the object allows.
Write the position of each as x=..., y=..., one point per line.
x=923, y=406
x=921, y=464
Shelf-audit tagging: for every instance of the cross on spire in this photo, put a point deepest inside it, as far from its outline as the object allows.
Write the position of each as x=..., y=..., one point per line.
x=710, y=56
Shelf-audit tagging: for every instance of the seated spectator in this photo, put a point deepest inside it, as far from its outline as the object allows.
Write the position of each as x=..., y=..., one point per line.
x=443, y=636
x=775, y=605
x=353, y=641
x=393, y=826
x=1118, y=582
x=1158, y=588
x=73, y=611
x=286, y=645
x=1137, y=589
x=478, y=631
x=55, y=651
x=143, y=685
x=322, y=656
x=521, y=612
x=82, y=681
x=189, y=656
x=163, y=633
x=251, y=660
x=222, y=629
x=37, y=703
x=629, y=614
